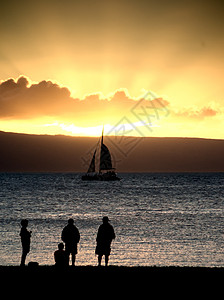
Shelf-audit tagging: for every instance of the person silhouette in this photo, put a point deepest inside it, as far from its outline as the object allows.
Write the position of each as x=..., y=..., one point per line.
x=71, y=237
x=25, y=240
x=60, y=256
x=105, y=235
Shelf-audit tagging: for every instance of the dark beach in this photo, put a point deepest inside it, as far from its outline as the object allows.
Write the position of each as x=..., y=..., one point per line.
x=113, y=281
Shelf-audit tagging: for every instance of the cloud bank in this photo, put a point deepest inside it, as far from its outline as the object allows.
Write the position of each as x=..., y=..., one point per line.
x=19, y=99
x=51, y=106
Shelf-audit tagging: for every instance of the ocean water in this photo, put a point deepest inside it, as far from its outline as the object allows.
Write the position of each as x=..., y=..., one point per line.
x=159, y=219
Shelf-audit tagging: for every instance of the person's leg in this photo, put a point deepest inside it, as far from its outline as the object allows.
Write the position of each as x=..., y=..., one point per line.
x=73, y=259
x=106, y=260
x=23, y=258
x=99, y=259
x=67, y=254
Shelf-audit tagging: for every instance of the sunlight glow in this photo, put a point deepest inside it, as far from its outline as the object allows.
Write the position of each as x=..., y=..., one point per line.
x=127, y=129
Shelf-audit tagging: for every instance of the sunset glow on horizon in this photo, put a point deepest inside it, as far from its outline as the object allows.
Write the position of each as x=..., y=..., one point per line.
x=71, y=67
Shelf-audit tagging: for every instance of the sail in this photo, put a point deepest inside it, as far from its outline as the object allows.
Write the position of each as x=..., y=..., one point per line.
x=105, y=158
x=104, y=164
x=92, y=164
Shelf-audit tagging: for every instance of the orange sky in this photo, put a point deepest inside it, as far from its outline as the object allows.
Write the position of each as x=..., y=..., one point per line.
x=68, y=67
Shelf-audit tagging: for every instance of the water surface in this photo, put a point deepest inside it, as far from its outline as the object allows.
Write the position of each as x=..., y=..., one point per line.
x=159, y=219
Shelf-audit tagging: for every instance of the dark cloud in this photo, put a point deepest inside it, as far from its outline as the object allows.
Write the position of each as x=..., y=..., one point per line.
x=20, y=100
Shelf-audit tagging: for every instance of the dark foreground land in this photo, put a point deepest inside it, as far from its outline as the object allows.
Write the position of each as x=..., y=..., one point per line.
x=111, y=282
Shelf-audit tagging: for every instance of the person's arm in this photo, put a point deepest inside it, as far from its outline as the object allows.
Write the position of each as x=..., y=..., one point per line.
x=78, y=236
x=98, y=234
x=63, y=236
x=112, y=233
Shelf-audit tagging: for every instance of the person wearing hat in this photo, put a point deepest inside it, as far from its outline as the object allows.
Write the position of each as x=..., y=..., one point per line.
x=70, y=236
x=104, y=238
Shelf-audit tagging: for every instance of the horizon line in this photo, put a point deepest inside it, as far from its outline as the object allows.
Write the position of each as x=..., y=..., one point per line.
x=112, y=136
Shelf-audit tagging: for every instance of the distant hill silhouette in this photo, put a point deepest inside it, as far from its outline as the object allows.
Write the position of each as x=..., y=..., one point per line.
x=44, y=153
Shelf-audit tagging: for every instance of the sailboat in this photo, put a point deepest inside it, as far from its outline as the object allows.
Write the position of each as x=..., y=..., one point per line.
x=106, y=171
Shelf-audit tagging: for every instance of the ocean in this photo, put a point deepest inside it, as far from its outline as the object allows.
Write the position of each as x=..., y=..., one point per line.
x=160, y=219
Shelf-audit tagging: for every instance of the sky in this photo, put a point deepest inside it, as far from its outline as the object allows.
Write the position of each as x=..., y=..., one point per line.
x=143, y=68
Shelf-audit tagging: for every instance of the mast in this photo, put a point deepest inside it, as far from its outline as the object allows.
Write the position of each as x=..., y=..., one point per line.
x=102, y=136
x=101, y=149
x=105, y=157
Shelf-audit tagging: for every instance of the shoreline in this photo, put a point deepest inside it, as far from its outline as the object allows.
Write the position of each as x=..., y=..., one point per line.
x=110, y=269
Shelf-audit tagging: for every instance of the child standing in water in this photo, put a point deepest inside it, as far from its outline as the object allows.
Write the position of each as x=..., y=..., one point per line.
x=25, y=240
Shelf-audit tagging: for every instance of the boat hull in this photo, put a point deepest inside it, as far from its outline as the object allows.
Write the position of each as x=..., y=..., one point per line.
x=101, y=177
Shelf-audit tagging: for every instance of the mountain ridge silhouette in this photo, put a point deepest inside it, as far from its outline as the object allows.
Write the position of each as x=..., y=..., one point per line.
x=46, y=153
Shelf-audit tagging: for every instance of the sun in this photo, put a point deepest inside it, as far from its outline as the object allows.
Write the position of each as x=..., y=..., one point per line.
x=81, y=131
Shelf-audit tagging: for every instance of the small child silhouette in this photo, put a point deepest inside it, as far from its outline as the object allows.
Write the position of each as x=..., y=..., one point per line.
x=60, y=256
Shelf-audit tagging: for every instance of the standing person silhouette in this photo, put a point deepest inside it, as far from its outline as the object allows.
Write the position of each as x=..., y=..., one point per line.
x=70, y=236
x=104, y=238
x=25, y=240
